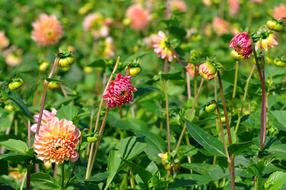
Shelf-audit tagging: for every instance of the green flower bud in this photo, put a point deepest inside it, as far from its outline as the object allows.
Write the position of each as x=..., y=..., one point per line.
x=53, y=85
x=44, y=66
x=274, y=25
x=279, y=62
x=15, y=83
x=211, y=106
x=66, y=61
x=133, y=71
x=92, y=139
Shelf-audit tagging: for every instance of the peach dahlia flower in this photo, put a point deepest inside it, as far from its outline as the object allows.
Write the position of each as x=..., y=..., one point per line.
x=138, y=16
x=57, y=141
x=47, y=30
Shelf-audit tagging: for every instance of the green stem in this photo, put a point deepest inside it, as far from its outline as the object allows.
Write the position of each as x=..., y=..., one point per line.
x=192, y=110
x=244, y=99
x=63, y=176
x=44, y=94
x=231, y=161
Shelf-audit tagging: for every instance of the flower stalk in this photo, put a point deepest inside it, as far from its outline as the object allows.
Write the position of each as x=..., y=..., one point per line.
x=261, y=72
x=44, y=94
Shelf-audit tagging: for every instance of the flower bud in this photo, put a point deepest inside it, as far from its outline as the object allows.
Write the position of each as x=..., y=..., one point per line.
x=66, y=61
x=274, y=25
x=133, y=71
x=92, y=139
x=279, y=62
x=242, y=44
x=43, y=66
x=53, y=85
x=211, y=106
x=15, y=83
x=9, y=107
x=207, y=70
x=192, y=70
x=47, y=165
x=87, y=69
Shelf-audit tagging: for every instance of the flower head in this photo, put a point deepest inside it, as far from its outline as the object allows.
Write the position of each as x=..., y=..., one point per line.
x=13, y=56
x=207, y=70
x=234, y=7
x=220, y=26
x=162, y=47
x=57, y=141
x=177, y=5
x=279, y=12
x=242, y=44
x=192, y=70
x=108, y=51
x=4, y=42
x=119, y=91
x=46, y=118
x=47, y=30
x=138, y=16
x=97, y=25
x=267, y=42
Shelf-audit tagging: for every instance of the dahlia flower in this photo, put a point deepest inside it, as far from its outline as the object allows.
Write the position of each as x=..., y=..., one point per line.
x=177, y=5
x=97, y=25
x=279, y=12
x=267, y=43
x=138, y=16
x=207, y=70
x=13, y=56
x=46, y=117
x=47, y=30
x=242, y=44
x=192, y=70
x=57, y=141
x=233, y=6
x=162, y=47
x=220, y=26
x=108, y=51
x=4, y=42
x=119, y=91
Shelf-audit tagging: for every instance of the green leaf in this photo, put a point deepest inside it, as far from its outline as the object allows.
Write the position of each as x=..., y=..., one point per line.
x=214, y=172
x=15, y=146
x=127, y=149
x=279, y=118
x=145, y=175
x=210, y=143
x=43, y=181
x=168, y=76
x=278, y=151
x=68, y=112
x=276, y=181
x=136, y=56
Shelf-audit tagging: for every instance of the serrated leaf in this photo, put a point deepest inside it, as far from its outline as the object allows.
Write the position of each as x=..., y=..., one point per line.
x=210, y=143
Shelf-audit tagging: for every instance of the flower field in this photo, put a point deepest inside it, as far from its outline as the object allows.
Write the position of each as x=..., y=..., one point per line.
x=143, y=94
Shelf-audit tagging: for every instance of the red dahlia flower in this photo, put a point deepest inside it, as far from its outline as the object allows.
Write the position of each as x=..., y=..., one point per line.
x=242, y=44
x=119, y=92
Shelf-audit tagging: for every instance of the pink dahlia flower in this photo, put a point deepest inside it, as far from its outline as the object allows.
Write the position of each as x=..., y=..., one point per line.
x=108, y=51
x=57, y=141
x=46, y=118
x=138, y=16
x=233, y=6
x=192, y=70
x=279, y=12
x=4, y=42
x=119, y=91
x=47, y=30
x=97, y=25
x=220, y=26
x=162, y=47
x=177, y=5
x=207, y=70
x=242, y=44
